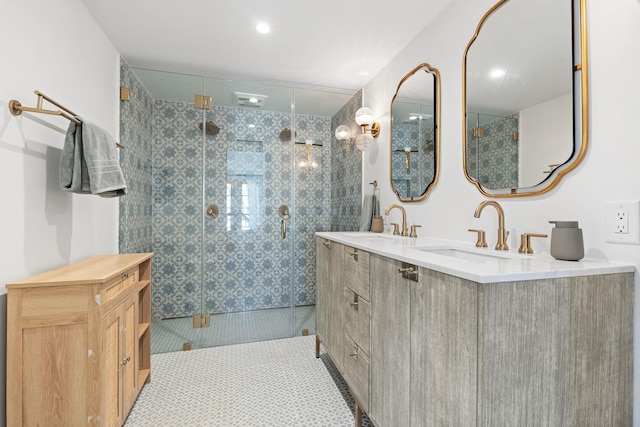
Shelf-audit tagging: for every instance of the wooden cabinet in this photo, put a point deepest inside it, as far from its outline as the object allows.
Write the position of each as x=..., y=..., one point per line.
x=443, y=350
x=446, y=351
x=390, y=343
x=556, y=351
x=343, y=313
x=357, y=319
x=329, y=286
x=79, y=341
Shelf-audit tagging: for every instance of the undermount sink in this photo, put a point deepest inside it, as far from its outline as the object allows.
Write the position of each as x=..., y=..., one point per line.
x=368, y=235
x=465, y=255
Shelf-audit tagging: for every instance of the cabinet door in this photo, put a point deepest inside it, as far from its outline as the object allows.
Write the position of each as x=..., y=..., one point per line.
x=130, y=352
x=390, y=343
x=112, y=396
x=120, y=357
x=443, y=350
x=323, y=255
x=329, y=313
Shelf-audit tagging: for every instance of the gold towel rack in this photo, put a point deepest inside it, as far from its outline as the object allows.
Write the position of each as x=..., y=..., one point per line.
x=17, y=108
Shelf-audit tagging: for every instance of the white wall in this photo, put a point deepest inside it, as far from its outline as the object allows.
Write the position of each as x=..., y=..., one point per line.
x=609, y=172
x=541, y=146
x=57, y=48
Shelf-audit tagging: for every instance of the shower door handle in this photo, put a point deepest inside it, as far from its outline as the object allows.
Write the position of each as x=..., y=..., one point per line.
x=283, y=212
x=283, y=228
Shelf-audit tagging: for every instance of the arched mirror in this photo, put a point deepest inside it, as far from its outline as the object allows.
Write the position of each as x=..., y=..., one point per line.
x=525, y=96
x=415, y=134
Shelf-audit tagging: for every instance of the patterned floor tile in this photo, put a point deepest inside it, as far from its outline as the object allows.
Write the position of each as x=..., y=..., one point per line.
x=270, y=383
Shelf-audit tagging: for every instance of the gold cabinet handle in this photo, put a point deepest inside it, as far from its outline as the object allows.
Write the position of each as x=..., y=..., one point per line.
x=125, y=361
x=409, y=271
x=327, y=244
x=354, y=305
x=354, y=254
x=354, y=354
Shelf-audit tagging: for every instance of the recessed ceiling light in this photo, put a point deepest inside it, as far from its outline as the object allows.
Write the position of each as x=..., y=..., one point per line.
x=263, y=28
x=253, y=100
x=252, y=126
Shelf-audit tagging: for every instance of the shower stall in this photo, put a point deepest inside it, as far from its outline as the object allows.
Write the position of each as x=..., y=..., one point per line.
x=228, y=181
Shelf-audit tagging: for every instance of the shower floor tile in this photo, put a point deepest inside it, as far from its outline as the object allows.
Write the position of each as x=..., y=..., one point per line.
x=270, y=383
x=170, y=334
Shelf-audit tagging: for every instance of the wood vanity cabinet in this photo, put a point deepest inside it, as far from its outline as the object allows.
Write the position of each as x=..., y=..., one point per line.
x=79, y=342
x=390, y=344
x=329, y=288
x=357, y=319
x=342, y=313
x=449, y=351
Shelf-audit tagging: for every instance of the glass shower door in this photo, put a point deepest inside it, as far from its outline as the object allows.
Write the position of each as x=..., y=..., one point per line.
x=247, y=248
x=226, y=257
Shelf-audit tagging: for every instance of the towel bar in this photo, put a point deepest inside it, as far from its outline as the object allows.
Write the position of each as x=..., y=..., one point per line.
x=16, y=108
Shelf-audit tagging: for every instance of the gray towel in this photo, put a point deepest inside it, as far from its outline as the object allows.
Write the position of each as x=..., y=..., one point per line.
x=368, y=205
x=89, y=163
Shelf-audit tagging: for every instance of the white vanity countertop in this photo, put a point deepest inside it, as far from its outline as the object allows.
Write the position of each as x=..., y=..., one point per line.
x=482, y=265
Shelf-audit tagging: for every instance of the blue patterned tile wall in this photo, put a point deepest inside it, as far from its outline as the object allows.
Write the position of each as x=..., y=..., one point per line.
x=412, y=172
x=218, y=270
x=135, y=161
x=240, y=262
x=346, y=171
x=493, y=158
x=177, y=209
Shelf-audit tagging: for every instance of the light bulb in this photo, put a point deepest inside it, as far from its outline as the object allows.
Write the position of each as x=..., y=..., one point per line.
x=364, y=116
x=343, y=133
x=363, y=141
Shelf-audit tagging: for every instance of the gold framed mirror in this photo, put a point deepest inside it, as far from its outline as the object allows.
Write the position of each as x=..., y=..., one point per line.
x=415, y=134
x=525, y=99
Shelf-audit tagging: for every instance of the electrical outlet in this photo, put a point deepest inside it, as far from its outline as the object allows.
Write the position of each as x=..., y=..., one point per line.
x=622, y=222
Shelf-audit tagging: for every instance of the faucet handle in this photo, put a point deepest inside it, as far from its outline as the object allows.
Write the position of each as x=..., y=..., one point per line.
x=525, y=242
x=413, y=231
x=482, y=241
x=396, y=228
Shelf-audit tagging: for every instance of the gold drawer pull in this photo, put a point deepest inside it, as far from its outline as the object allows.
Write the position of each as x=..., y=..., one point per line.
x=125, y=361
x=327, y=244
x=125, y=275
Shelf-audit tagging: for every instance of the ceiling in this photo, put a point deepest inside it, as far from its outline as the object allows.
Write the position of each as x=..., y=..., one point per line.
x=321, y=44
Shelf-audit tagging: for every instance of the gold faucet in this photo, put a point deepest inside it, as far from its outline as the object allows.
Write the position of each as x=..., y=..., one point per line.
x=502, y=233
x=404, y=218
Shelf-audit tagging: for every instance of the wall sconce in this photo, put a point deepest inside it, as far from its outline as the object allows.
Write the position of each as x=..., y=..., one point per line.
x=370, y=129
x=343, y=133
x=309, y=162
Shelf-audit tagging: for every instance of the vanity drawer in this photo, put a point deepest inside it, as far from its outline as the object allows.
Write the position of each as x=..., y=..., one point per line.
x=357, y=319
x=356, y=271
x=356, y=372
x=119, y=286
